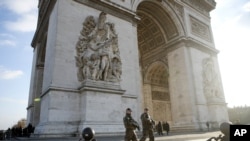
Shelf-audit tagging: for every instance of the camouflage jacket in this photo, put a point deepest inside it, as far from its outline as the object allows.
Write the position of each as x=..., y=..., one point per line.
x=130, y=123
x=147, y=121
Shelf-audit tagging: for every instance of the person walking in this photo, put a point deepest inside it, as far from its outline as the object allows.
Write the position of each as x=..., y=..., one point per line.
x=159, y=128
x=130, y=125
x=167, y=127
x=208, y=125
x=147, y=126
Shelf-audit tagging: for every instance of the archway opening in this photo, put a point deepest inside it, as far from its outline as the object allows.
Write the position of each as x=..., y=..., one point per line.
x=158, y=98
x=154, y=30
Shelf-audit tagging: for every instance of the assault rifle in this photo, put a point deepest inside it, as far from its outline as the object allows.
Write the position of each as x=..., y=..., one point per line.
x=135, y=124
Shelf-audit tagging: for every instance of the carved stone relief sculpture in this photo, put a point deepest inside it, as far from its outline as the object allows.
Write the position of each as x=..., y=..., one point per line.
x=97, y=53
x=200, y=29
x=210, y=79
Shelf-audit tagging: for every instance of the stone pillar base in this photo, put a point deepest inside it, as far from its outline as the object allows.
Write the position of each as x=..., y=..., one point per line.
x=101, y=107
x=56, y=129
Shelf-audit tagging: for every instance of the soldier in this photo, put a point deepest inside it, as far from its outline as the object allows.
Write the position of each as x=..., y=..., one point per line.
x=130, y=125
x=148, y=126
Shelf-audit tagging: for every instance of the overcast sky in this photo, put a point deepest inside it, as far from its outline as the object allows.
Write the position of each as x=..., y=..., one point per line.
x=231, y=30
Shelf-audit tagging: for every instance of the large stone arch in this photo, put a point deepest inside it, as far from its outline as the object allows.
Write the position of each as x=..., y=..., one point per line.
x=164, y=41
x=171, y=13
x=155, y=30
x=156, y=93
x=157, y=64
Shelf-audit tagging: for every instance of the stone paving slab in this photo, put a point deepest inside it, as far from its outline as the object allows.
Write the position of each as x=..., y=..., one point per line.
x=194, y=136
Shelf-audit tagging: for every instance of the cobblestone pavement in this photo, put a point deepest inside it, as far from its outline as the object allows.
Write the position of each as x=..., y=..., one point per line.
x=194, y=136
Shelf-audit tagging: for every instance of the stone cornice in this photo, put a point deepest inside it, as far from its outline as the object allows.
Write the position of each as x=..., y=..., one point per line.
x=179, y=42
x=56, y=88
x=89, y=85
x=193, y=43
x=112, y=9
x=100, y=86
x=203, y=6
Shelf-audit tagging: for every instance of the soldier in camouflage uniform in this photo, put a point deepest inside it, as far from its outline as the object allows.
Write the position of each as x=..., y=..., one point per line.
x=148, y=126
x=130, y=125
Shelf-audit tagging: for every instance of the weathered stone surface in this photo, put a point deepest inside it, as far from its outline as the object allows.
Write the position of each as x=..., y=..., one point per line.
x=93, y=59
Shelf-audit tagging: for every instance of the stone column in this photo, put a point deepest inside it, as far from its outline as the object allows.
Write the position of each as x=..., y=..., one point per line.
x=35, y=88
x=147, y=96
x=37, y=93
x=181, y=88
x=30, y=108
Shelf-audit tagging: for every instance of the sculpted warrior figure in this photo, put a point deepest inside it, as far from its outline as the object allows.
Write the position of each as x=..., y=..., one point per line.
x=97, y=49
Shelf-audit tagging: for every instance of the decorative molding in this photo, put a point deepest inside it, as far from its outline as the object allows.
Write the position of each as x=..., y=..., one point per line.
x=191, y=42
x=97, y=52
x=203, y=6
x=164, y=20
x=112, y=8
x=150, y=36
x=91, y=85
x=160, y=95
x=56, y=88
x=200, y=29
x=179, y=10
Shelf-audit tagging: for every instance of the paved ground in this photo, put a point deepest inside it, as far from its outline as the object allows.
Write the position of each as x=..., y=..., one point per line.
x=194, y=136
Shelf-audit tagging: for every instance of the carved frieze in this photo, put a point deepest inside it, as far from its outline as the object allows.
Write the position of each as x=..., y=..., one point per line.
x=178, y=9
x=159, y=95
x=200, y=29
x=210, y=79
x=97, y=53
x=202, y=6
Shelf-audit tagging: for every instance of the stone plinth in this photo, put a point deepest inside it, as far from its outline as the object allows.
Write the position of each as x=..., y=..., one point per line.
x=100, y=104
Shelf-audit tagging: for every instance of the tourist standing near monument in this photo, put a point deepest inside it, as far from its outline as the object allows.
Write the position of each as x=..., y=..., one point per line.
x=147, y=126
x=130, y=125
x=167, y=127
x=208, y=125
x=159, y=128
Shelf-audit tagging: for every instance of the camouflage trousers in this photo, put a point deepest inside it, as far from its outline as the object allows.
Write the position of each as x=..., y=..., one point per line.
x=130, y=135
x=146, y=133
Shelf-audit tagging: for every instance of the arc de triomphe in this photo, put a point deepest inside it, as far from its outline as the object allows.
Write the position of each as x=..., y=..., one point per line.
x=95, y=58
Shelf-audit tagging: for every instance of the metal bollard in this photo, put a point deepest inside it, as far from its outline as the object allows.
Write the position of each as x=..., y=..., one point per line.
x=225, y=129
x=88, y=134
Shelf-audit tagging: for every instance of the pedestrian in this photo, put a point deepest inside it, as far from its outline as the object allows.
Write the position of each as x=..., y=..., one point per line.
x=147, y=126
x=167, y=127
x=130, y=125
x=159, y=128
x=208, y=125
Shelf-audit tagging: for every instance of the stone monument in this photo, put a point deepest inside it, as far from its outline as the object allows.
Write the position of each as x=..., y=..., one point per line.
x=95, y=58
